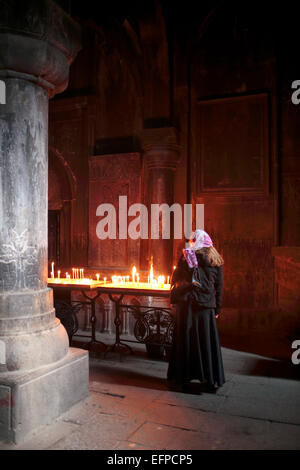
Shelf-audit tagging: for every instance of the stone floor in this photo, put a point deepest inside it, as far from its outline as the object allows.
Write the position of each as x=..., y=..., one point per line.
x=130, y=407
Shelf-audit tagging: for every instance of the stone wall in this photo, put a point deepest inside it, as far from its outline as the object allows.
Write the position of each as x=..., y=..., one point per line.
x=221, y=78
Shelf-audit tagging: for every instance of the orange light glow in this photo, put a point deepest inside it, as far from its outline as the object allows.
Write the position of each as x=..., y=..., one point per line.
x=133, y=273
x=78, y=278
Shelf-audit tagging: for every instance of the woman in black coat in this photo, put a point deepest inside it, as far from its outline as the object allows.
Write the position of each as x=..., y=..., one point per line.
x=197, y=292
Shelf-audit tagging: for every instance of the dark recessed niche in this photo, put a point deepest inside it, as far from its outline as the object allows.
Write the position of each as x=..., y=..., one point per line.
x=127, y=144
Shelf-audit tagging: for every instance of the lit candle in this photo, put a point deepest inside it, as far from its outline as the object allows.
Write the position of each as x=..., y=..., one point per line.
x=174, y=267
x=97, y=275
x=133, y=273
x=161, y=281
x=105, y=280
x=168, y=281
x=138, y=277
x=52, y=270
x=151, y=274
x=73, y=273
x=58, y=274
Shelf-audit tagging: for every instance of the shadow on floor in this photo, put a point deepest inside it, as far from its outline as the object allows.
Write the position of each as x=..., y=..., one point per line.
x=112, y=374
x=137, y=373
x=106, y=374
x=276, y=351
x=276, y=369
x=253, y=342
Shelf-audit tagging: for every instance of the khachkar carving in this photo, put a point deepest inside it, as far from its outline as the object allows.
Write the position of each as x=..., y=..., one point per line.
x=20, y=254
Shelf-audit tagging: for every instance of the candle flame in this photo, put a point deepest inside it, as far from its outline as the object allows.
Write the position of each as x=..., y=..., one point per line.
x=151, y=273
x=78, y=278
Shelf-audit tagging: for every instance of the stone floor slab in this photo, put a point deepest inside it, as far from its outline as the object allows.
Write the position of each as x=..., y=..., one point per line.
x=130, y=407
x=154, y=435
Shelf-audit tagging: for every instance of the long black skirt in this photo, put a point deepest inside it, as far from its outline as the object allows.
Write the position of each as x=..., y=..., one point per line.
x=196, y=351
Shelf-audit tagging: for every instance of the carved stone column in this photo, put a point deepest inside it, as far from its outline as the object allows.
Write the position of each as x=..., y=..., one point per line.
x=161, y=153
x=40, y=377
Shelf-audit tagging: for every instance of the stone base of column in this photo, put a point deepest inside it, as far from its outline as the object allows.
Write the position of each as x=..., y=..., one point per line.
x=30, y=399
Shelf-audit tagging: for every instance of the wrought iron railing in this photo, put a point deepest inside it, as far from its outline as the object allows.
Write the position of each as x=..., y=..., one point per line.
x=153, y=325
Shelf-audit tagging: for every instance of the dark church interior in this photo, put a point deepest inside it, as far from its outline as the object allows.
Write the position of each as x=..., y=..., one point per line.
x=164, y=102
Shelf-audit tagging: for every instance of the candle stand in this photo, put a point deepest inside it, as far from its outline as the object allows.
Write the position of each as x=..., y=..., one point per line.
x=91, y=301
x=153, y=327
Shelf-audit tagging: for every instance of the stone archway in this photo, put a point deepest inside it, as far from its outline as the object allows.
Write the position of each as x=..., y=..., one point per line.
x=62, y=187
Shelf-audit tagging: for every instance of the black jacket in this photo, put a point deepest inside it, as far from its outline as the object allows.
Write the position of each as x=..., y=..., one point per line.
x=210, y=279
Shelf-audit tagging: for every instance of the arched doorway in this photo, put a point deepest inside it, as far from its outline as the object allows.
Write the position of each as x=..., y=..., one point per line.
x=61, y=192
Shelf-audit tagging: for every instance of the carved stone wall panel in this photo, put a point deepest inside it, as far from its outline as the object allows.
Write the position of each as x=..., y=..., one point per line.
x=287, y=279
x=231, y=165
x=232, y=151
x=112, y=176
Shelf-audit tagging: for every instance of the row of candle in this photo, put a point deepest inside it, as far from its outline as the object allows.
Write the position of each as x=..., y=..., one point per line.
x=77, y=273
x=78, y=276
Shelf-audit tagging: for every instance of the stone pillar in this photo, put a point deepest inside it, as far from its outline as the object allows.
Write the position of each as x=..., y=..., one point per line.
x=40, y=377
x=161, y=153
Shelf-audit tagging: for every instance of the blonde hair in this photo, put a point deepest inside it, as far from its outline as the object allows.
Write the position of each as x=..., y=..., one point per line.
x=212, y=255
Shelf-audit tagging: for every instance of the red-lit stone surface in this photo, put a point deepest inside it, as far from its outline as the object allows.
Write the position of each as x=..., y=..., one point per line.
x=217, y=78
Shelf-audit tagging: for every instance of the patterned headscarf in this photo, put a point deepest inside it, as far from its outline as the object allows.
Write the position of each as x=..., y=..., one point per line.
x=200, y=239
